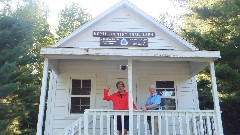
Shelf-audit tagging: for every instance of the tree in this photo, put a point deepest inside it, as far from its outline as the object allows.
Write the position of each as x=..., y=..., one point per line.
x=174, y=20
x=70, y=18
x=214, y=25
x=23, y=31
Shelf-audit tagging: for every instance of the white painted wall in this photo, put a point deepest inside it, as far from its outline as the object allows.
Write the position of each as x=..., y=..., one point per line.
x=108, y=72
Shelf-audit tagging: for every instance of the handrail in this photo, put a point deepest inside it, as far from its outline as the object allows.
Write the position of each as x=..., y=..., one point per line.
x=74, y=127
x=170, y=122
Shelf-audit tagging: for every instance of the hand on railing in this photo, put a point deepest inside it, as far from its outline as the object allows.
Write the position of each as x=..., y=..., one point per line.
x=144, y=108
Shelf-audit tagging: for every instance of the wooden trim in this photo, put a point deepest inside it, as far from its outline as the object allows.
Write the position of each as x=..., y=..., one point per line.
x=215, y=99
x=130, y=96
x=130, y=52
x=53, y=101
x=196, y=67
x=49, y=103
x=42, y=98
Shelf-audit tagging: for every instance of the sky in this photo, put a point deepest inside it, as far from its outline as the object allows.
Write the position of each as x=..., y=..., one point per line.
x=95, y=7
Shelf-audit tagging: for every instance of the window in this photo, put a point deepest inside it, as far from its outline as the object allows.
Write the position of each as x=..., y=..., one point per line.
x=80, y=95
x=167, y=92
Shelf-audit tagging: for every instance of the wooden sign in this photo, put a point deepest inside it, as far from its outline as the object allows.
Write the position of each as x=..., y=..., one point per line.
x=120, y=38
x=140, y=42
x=122, y=34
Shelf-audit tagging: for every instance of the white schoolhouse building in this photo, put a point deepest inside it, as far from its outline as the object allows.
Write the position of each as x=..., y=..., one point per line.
x=124, y=43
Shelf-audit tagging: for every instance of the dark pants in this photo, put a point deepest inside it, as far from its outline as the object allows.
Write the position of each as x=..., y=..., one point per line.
x=126, y=123
x=155, y=126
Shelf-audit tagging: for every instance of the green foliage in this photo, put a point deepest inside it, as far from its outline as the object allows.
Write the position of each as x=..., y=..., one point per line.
x=214, y=25
x=231, y=116
x=229, y=78
x=23, y=31
x=204, y=90
x=70, y=18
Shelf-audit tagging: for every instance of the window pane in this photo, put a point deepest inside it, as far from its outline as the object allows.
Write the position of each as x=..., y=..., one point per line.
x=164, y=84
x=168, y=108
x=79, y=104
x=169, y=84
x=160, y=84
x=86, y=87
x=85, y=101
x=75, y=105
x=76, y=87
x=171, y=92
x=166, y=92
x=168, y=104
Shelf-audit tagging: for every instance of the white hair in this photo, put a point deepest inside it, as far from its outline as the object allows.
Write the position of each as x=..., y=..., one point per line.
x=152, y=86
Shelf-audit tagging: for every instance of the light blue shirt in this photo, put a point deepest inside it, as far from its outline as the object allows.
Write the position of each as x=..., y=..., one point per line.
x=154, y=99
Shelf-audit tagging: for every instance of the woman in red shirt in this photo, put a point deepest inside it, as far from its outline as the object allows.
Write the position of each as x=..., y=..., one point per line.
x=120, y=102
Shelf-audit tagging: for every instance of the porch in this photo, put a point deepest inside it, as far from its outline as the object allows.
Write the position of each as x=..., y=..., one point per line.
x=144, y=67
x=170, y=122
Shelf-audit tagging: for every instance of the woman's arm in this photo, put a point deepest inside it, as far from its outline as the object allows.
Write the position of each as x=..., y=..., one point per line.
x=106, y=96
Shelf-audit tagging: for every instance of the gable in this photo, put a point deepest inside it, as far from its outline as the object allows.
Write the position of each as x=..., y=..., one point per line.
x=125, y=18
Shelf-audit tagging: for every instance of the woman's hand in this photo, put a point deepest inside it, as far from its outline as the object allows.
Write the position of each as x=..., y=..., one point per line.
x=108, y=87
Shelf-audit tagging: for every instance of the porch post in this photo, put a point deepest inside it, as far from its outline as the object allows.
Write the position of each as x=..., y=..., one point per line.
x=49, y=102
x=130, y=97
x=215, y=99
x=42, y=98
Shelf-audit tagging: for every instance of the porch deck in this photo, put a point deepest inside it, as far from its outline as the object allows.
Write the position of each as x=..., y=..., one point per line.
x=170, y=122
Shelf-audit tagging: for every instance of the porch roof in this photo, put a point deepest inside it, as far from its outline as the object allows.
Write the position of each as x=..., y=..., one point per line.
x=133, y=53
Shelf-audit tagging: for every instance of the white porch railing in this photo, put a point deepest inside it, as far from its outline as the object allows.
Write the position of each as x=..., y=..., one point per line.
x=170, y=122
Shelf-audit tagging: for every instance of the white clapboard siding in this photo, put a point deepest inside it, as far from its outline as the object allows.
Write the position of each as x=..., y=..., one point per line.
x=186, y=90
x=123, y=20
x=195, y=92
x=102, y=81
x=142, y=90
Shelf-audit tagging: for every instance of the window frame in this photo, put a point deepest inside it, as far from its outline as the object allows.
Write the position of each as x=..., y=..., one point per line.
x=155, y=78
x=79, y=95
x=167, y=97
x=91, y=95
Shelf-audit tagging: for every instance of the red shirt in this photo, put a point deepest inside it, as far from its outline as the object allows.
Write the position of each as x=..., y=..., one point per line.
x=120, y=102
